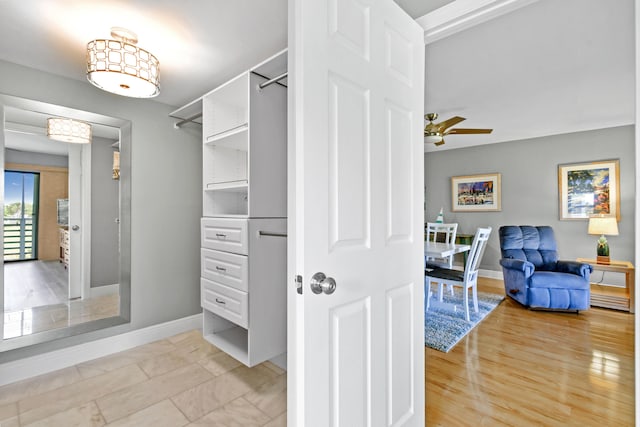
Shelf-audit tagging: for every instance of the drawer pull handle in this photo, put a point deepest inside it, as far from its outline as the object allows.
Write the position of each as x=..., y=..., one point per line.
x=220, y=268
x=221, y=235
x=219, y=301
x=272, y=233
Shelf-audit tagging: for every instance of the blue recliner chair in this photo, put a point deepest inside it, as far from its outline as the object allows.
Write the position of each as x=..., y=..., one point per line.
x=534, y=277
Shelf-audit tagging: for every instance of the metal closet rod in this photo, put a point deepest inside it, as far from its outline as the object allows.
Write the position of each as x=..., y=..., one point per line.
x=261, y=86
x=188, y=120
x=273, y=80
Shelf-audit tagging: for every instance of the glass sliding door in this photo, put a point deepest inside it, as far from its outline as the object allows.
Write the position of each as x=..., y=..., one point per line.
x=21, y=215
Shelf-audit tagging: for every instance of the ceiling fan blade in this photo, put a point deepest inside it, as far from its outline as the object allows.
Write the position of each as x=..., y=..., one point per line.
x=460, y=131
x=441, y=142
x=449, y=122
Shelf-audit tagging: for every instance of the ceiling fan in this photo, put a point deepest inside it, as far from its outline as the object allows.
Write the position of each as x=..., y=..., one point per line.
x=435, y=132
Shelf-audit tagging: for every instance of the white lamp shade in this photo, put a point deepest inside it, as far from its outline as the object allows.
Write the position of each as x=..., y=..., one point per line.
x=69, y=130
x=603, y=226
x=122, y=68
x=432, y=138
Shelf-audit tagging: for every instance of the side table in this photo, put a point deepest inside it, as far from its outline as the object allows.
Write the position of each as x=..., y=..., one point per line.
x=611, y=296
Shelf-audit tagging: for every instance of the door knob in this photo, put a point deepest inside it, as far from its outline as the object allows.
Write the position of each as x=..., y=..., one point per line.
x=75, y=227
x=321, y=283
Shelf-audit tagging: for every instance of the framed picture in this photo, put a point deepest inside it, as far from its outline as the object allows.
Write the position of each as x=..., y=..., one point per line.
x=590, y=188
x=476, y=193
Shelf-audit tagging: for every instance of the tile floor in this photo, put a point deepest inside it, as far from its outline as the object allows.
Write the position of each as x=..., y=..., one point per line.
x=179, y=381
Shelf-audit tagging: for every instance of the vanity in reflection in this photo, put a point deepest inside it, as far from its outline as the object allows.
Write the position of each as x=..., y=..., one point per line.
x=63, y=275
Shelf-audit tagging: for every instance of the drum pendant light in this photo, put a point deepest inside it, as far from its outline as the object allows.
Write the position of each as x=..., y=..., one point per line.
x=69, y=130
x=120, y=67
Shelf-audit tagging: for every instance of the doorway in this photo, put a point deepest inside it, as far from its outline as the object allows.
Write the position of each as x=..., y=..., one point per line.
x=20, y=220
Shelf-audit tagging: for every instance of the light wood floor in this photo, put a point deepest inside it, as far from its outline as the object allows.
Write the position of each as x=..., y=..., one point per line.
x=516, y=368
x=35, y=283
x=36, y=299
x=520, y=367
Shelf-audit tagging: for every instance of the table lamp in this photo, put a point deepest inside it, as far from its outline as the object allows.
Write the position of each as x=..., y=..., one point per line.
x=603, y=225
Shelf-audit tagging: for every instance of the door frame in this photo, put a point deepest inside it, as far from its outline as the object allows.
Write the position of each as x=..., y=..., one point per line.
x=85, y=273
x=637, y=205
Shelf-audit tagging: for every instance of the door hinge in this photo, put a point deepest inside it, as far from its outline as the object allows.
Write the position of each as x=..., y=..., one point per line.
x=299, y=284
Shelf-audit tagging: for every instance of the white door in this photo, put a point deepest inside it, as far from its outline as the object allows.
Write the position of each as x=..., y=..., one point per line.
x=79, y=223
x=356, y=88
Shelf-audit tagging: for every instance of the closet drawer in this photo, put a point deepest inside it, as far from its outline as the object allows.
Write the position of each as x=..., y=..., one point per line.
x=224, y=234
x=225, y=268
x=224, y=301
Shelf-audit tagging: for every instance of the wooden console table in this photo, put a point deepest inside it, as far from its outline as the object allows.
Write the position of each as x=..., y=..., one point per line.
x=612, y=296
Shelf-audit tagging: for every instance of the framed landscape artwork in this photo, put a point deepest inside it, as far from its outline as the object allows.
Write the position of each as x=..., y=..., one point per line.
x=585, y=189
x=476, y=193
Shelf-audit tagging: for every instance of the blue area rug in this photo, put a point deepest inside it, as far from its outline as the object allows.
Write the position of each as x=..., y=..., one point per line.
x=443, y=327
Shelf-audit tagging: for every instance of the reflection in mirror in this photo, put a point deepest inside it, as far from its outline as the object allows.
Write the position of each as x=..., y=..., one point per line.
x=66, y=225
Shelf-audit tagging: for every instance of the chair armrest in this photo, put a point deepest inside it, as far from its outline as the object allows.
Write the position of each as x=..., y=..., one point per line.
x=574, y=267
x=517, y=264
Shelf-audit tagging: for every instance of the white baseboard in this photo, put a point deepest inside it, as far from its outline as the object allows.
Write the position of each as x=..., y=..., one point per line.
x=491, y=274
x=28, y=367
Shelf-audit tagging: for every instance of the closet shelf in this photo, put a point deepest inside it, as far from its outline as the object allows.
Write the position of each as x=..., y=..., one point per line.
x=232, y=341
x=230, y=186
x=235, y=138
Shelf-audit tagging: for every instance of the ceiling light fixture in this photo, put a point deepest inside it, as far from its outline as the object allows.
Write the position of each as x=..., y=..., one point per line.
x=120, y=67
x=432, y=138
x=69, y=130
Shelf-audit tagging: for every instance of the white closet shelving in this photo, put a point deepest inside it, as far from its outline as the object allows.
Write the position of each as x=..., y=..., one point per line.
x=244, y=174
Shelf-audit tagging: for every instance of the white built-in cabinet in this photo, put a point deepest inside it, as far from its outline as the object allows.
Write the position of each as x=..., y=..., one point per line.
x=244, y=204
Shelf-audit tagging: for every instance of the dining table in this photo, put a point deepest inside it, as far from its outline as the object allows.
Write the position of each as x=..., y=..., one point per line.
x=442, y=250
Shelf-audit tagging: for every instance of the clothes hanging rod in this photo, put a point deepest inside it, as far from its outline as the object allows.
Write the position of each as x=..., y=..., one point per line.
x=271, y=233
x=188, y=120
x=273, y=80
x=266, y=78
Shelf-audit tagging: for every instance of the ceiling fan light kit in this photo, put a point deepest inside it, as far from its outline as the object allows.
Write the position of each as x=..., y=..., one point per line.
x=119, y=66
x=434, y=133
x=432, y=138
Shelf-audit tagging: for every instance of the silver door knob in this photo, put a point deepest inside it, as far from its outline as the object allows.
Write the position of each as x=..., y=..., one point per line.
x=75, y=227
x=321, y=283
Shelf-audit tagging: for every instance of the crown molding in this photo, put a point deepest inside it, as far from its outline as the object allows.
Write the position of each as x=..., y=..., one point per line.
x=462, y=14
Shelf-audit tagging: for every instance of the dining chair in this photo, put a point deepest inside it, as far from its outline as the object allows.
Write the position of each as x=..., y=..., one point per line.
x=467, y=279
x=447, y=231
x=435, y=229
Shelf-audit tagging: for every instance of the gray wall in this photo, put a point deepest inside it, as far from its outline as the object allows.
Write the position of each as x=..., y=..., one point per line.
x=529, y=171
x=41, y=159
x=166, y=200
x=105, y=191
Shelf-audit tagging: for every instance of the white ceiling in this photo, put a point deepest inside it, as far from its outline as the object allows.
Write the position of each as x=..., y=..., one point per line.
x=199, y=43
x=550, y=67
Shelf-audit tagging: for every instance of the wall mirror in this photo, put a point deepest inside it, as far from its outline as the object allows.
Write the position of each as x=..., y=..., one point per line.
x=66, y=224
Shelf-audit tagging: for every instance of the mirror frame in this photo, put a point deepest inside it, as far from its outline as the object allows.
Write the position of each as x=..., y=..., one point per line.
x=125, y=221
